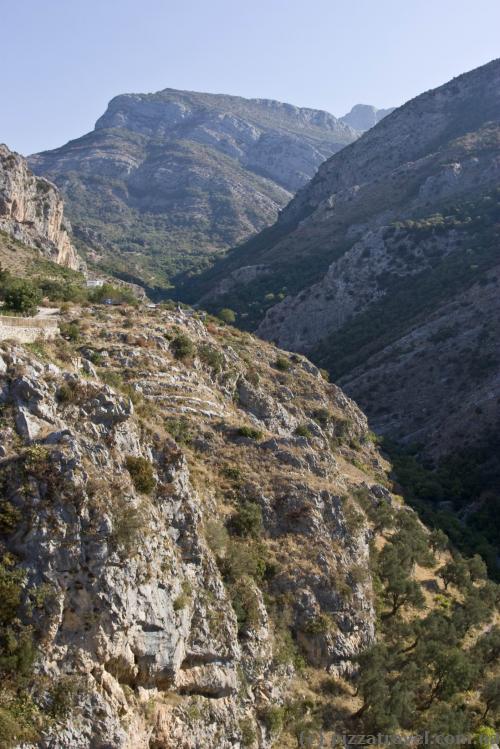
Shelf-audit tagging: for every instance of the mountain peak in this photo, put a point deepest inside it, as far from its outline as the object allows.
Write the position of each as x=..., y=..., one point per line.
x=364, y=116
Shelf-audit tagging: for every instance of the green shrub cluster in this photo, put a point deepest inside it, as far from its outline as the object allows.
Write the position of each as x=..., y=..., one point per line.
x=141, y=473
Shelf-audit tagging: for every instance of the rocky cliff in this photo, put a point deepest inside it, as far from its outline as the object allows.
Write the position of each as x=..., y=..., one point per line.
x=192, y=535
x=32, y=211
x=168, y=180
x=177, y=527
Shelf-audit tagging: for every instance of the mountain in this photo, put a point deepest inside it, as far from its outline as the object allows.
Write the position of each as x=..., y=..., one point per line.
x=389, y=262
x=364, y=116
x=199, y=538
x=32, y=211
x=168, y=181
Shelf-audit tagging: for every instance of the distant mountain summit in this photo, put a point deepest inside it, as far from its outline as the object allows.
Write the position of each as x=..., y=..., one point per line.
x=167, y=181
x=364, y=116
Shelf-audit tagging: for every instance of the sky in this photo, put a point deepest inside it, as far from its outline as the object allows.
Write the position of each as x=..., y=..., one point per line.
x=65, y=59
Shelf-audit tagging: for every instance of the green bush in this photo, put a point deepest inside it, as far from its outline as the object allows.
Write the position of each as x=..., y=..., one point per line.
x=23, y=297
x=114, y=294
x=211, y=357
x=182, y=347
x=283, y=364
x=247, y=731
x=303, y=431
x=247, y=521
x=70, y=330
x=184, y=597
x=227, y=315
x=273, y=718
x=141, y=472
x=250, y=432
x=180, y=429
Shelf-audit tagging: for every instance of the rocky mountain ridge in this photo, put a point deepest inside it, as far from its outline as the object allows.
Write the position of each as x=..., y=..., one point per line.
x=166, y=181
x=411, y=207
x=32, y=211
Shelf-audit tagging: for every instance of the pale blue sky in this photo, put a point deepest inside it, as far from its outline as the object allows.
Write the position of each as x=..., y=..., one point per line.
x=62, y=60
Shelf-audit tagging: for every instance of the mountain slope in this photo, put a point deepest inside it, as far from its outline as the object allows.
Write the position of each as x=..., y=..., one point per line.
x=390, y=232
x=197, y=533
x=168, y=180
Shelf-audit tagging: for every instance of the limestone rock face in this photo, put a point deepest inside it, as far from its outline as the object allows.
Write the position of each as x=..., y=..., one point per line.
x=32, y=211
x=173, y=632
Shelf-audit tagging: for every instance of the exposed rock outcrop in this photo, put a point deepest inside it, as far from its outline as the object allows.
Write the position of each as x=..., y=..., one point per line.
x=172, y=632
x=32, y=211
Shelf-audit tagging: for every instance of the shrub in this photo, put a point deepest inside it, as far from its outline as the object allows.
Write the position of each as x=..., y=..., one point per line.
x=23, y=297
x=128, y=525
x=211, y=357
x=182, y=347
x=113, y=379
x=141, y=472
x=283, y=364
x=180, y=429
x=227, y=315
x=70, y=331
x=247, y=521
x=322, y=416
x=273, y=717
x=303, y=431
x=319, y=624
x=231, y=472
x=69, y=392
x=243, y=558
x=10, y=517
x=115, y=294
x=184, y=597
x=245, y=603
x=247, y=731
x=250, y=432
x=217, y=537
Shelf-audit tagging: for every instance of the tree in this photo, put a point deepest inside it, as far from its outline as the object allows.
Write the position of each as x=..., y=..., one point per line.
x=450, y=671
x=400, y=590
x=438, y=540
x=456, y=572
x=227, y=315
x=490, y=694
x=372, y=685
x=487, y=647
x=477, y=568
x=22, y=296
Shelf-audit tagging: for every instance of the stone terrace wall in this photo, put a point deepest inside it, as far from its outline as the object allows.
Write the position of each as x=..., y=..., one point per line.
x=27, y=329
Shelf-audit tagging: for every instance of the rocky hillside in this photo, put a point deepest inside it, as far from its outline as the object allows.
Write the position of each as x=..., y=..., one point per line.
x=198, y=539
x=364, y=116
x=32, y=211
x=168, y=180
x=387, y=260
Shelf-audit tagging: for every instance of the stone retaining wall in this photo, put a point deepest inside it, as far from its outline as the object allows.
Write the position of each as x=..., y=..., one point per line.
x=27, y=329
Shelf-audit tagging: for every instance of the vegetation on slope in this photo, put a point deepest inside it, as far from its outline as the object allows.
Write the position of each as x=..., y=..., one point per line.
x=435, y=663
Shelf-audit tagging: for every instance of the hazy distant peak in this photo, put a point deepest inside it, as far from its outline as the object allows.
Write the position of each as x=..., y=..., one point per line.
x=364, y=116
